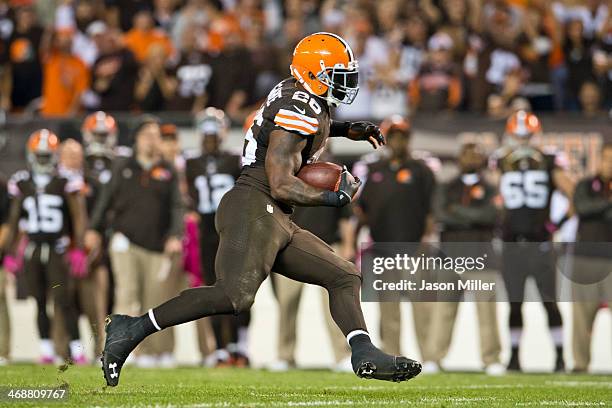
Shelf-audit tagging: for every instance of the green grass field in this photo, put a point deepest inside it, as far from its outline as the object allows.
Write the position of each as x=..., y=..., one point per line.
x=252, y=388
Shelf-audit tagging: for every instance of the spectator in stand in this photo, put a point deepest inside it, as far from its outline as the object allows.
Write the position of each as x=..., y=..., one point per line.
x=437, y=87
x=499, y=105
x=120, y=14
x=265, y=59
x=602, y=75
x=233, y=78
x=24, y=68
x=66, y=77
x=372, y=53
x=113, y=72
x=540, y=49
x=79, y=16
x=590, y=99
x=144, y=35
x=164, y=14
x=414, y=48
x=578, y=59
x=195, y=13
x=193, y=73
x=155, y=85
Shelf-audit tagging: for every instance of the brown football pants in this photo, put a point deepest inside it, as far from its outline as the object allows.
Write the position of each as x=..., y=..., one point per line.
x=288, y=294
x=256, y=237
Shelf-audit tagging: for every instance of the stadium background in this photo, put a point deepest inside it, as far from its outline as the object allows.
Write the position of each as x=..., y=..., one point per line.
x=437, y=133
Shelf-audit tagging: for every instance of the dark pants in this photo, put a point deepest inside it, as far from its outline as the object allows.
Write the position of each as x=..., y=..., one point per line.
x=520, y=262
x=225, y=327
x=47, y=274
x=256, y=237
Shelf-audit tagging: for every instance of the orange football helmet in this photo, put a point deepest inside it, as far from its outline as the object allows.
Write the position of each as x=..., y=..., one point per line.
x=99, y=132
x=523, y=125
x=395, y=122
x=42, y=149
x=325, y=65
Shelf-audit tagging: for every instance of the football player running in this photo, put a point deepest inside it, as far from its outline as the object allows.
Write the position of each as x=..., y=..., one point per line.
x=528, y=177
x=256, y=234
x=54, y=212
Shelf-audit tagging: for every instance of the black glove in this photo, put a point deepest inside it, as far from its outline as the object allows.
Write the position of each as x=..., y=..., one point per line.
x=367, y=131
x=346, y=190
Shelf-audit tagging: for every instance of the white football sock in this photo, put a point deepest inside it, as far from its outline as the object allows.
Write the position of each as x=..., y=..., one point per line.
x=76, y=348
x=355, y=333
x=152, y=317
x=46, y=348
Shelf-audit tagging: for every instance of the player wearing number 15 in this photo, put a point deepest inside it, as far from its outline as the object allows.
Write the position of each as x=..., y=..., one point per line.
x=527, y=180
x=55, y=217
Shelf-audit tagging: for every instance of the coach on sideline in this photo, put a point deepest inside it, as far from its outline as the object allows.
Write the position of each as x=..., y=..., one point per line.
x=395, y=203
x=592, y=268
x=145, y=208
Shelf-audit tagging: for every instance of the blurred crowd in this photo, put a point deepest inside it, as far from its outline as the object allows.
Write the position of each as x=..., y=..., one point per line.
x=60, y=58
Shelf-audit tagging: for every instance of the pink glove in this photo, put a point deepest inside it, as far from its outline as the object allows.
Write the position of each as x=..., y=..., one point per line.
x=77, y=260
x=12, y=264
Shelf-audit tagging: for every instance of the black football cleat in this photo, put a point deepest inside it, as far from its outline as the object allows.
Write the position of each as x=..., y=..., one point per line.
x=559, y=365
x=123, y=333
x=373, y=363
x=514, y=363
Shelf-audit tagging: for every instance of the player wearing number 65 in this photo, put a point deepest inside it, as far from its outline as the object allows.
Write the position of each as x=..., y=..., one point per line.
x=528, y=177
x=256, y=234
x=54, y=214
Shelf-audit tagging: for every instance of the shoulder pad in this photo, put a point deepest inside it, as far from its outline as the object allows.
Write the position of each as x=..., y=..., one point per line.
x=13, y=183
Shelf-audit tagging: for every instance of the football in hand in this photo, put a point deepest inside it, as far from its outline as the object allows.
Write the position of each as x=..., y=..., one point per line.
x=323, y=175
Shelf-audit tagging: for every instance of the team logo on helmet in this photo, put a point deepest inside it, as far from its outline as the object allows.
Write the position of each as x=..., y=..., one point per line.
x=325, y=65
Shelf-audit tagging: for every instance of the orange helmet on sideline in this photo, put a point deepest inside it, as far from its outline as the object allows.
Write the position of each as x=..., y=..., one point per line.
x=42, y=149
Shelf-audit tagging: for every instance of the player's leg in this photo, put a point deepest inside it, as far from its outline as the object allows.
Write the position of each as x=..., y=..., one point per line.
x=37, y=288
x=310, y=260
x=250, y=238
x=62, y=290
x=545, y=273
x=514, y=274
x=5, y=324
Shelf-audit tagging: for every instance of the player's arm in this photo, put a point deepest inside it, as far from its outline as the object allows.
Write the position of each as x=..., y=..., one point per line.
x=284, y=159
x=564, y=182
x=78, y=213
x=366, y=131
x=12, y=225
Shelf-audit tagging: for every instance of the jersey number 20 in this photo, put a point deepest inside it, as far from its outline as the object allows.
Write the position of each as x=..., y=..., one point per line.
x=524, y=189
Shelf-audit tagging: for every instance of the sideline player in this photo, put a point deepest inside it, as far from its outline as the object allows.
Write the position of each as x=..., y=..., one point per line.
x=209, y=176
x=52, y=207
x=528, y=177
x=255, y=232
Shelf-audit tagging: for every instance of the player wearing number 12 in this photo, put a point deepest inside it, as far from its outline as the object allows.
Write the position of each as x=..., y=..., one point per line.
x=256, y=234
x=54, y=212
x=209, y=176
x=528, y=178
